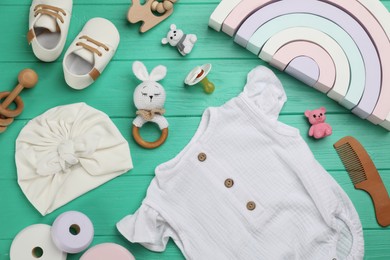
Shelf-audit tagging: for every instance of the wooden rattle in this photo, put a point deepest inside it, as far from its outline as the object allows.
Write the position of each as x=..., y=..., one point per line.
x=149, y=99
x=27, y=79
x=199, y=74
x=145, y=13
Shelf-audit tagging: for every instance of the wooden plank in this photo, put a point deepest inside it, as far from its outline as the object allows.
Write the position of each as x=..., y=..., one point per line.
x=123, y=196
x=52, y=90
x=376, y=247
x=112, y=93
x=139, y=252
x=133, y=45
x=374, y=138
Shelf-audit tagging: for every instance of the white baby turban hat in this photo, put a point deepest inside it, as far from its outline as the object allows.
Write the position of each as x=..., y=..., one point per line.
x=66, y=152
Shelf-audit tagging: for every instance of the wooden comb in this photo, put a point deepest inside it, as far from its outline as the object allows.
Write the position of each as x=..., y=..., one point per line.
x=365, y=176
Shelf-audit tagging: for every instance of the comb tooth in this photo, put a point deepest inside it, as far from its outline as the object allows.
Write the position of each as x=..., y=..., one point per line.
x=357, y=179
x=351, y=163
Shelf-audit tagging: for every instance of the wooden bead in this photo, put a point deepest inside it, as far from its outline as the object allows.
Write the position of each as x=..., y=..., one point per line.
x=160, y=8
x=172, y=1
x=168, y=5
x=154, y=6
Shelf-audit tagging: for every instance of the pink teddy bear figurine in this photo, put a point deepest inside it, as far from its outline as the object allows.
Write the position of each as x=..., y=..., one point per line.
x=319, y=128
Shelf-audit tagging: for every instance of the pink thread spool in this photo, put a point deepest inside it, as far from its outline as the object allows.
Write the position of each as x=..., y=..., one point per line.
x=107, y=251
x=72, y=232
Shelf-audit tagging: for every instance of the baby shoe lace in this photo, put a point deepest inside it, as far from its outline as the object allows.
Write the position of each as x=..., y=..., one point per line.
x=90, y=48
x=50, y=10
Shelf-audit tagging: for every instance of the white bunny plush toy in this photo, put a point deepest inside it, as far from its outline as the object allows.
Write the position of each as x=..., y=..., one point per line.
x=183, y=42
x=149, y=99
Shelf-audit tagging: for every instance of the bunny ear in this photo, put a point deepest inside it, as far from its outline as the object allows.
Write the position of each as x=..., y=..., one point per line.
x=158, y=73
x=140, y=71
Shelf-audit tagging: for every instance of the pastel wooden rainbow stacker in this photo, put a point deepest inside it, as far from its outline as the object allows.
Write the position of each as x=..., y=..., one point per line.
x=357, y=34
x=300, y=14
x=241, y=10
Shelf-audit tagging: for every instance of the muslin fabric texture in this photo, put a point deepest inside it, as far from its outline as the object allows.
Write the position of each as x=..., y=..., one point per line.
x=66, y=152
x=256, y=191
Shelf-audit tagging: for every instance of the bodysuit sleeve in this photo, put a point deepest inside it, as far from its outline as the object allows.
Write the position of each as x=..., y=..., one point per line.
x=265, y=90
x=147, y=227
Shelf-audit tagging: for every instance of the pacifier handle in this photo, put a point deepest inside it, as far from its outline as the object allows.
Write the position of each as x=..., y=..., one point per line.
x=149, y=145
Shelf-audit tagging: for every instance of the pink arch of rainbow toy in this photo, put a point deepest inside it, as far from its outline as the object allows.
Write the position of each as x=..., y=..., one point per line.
x=360, y=13
x=289, y=52
x=337, y=54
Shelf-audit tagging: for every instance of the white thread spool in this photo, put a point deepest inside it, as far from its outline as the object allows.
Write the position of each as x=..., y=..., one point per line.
x=72, y=232
x=35, y=243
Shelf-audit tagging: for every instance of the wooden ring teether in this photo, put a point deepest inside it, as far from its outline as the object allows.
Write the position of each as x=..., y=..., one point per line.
x=7, y=113
x=4, y=122
x=27, y=79
x=149, y=145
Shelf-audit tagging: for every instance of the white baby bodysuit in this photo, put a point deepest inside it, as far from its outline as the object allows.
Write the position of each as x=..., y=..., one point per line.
x=247, y=187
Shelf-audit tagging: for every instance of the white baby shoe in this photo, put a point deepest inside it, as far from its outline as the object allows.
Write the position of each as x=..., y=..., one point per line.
x=48, y=27
x=90, y=53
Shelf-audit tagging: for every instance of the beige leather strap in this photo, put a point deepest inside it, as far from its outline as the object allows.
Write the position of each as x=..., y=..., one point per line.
x=97, y=43
x=50, y=10
x=30, y=36
x=94, y=74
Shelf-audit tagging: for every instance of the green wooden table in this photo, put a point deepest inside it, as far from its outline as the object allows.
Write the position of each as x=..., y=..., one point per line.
x=113, y=91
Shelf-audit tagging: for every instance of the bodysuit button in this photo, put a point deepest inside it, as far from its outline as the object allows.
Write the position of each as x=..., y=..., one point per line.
x=229, y=183
x=202, y=157
x=250, y=205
